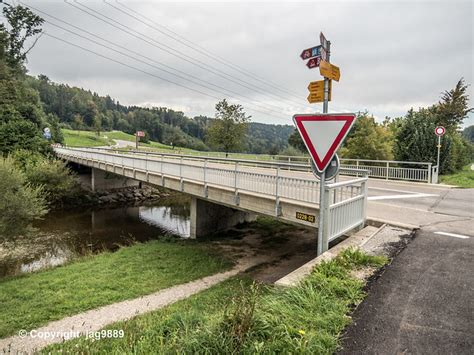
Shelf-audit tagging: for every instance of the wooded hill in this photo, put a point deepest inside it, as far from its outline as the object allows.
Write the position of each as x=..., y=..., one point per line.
x=76, y=108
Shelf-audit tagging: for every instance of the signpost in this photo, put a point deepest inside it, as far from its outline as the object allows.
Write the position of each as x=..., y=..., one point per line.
x=138, y=134
x=47, y=133
x=323, y=133
x=439, y=131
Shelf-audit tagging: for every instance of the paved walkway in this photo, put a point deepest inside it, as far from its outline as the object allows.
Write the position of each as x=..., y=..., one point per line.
x=97, y=319
x=423, y=303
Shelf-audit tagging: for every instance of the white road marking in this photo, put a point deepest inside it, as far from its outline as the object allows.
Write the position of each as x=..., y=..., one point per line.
x=393, y=197
x=453, y=235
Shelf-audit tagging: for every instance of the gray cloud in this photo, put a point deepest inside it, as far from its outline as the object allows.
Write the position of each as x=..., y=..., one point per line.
x=393, y=55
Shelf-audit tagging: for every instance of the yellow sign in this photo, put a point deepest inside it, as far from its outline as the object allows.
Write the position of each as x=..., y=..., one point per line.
x=316, y=91
x=329, y=70
x=306, y=217
x=316, y=86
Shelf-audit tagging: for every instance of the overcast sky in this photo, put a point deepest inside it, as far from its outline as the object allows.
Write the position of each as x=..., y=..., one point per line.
x=393, y=55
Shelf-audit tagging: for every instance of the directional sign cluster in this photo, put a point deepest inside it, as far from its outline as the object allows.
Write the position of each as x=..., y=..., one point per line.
x=319, y=58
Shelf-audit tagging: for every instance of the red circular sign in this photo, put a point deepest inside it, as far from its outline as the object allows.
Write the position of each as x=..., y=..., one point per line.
x=440, y=131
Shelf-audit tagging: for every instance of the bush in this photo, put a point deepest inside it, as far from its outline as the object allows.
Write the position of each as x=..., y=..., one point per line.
x=21, y=203
x=56, y=179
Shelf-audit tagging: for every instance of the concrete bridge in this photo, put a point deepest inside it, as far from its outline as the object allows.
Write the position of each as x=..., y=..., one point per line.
x=226, y=192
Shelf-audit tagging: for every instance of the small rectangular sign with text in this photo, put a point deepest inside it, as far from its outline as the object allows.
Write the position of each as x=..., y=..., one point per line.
x=306, y=217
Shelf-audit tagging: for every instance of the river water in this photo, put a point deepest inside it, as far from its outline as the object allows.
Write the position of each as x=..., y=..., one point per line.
x=65, y=235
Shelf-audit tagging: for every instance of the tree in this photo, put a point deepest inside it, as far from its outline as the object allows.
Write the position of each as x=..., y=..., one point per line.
x=453, y=107
x=296, y=142
x=229, y=128
x=20, y=204
x=368, y=140
x=23, y=24
x=468, y=133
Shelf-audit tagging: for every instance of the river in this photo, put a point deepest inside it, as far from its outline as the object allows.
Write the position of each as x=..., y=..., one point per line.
x=65, y=235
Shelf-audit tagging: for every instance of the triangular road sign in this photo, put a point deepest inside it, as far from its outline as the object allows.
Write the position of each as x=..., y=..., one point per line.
x=323, y=134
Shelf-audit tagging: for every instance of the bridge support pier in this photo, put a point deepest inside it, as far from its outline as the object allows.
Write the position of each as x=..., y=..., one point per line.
x=107, y=181
x=208, y=218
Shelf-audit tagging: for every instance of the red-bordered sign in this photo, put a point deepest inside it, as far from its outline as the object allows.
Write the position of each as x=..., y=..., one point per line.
x=440, y=131
x=323, y=134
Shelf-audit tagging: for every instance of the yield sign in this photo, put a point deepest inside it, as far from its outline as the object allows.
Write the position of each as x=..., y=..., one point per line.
x=323, y=134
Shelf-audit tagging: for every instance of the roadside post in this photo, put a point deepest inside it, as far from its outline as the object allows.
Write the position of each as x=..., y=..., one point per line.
x=439, y=131
x=138, y=134
x=324, y=133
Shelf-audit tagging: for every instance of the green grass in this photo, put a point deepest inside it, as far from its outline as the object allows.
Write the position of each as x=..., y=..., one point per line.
x=32, y=300
x=238, y=317
x=83, y=139
x=464, y=178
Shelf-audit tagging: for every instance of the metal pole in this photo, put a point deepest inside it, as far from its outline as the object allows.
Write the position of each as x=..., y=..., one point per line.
x=321, y=213
x=321, y=249
x=439, y=148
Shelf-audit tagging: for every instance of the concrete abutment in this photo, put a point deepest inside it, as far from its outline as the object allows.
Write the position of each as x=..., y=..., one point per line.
x=208, y=218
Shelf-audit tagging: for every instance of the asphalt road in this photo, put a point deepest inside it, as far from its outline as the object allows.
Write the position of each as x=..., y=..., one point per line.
x=422, y=304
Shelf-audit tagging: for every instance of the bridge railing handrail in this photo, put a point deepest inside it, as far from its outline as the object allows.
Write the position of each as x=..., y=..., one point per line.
x=289, y=166
x=383, y=169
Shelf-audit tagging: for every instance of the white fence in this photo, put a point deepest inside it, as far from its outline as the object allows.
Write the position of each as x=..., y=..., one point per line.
x=346, y=201
x=381, y=169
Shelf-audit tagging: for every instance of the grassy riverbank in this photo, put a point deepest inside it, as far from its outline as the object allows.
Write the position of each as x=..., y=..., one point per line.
x=32, y=300
x=240, y=317
x=463, y=178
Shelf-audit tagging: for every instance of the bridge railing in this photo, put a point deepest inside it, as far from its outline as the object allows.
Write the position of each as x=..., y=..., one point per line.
x=345, y=204
x=382, y=169
x=345, y=201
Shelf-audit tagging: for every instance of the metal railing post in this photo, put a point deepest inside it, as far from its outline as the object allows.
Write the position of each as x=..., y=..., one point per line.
x=325, y=224
x=429, y=173
x=236, y=170
x=387, y=167
x=277, y=193
x=365, y=191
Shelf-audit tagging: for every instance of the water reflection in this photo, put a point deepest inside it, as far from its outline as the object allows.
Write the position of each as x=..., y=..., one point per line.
x=64, y=235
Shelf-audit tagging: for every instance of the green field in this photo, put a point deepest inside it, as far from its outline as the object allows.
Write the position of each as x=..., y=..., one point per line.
x=32, y=300
x=83, y=139
x=239, y=317
x=464, y=178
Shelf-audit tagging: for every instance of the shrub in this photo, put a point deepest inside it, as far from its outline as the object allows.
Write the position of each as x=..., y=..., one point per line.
x=21, y=203
x=56, y=179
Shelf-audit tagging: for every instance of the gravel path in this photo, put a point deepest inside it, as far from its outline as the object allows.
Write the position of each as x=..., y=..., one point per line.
x=96, y=319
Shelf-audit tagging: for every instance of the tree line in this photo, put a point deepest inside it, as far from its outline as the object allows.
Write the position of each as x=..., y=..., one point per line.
x=412, y=137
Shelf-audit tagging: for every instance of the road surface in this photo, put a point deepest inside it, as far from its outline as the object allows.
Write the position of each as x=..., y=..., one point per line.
x=423, y=303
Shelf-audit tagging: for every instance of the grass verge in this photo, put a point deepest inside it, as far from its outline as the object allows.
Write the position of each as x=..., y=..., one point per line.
x=464, y=178
x=83, y=139
x=32, y=300
x=238, y=317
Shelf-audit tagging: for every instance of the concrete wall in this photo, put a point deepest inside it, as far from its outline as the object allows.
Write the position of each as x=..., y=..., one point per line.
x=101, y=180
x=208, y=218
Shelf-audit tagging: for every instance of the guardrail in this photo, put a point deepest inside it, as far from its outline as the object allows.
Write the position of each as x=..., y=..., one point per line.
x=345, y=201
x=381, y=169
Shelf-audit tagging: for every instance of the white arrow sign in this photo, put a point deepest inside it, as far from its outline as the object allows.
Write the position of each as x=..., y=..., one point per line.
x=323, y=134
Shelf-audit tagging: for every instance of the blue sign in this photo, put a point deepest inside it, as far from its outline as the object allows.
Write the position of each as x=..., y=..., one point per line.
x=316, y=51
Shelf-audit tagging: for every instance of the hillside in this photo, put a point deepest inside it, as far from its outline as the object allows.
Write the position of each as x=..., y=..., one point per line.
x=78, y=109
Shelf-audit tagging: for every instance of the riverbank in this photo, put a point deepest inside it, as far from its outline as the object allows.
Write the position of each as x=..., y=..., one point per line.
x=32, y=300
x=239, y=316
